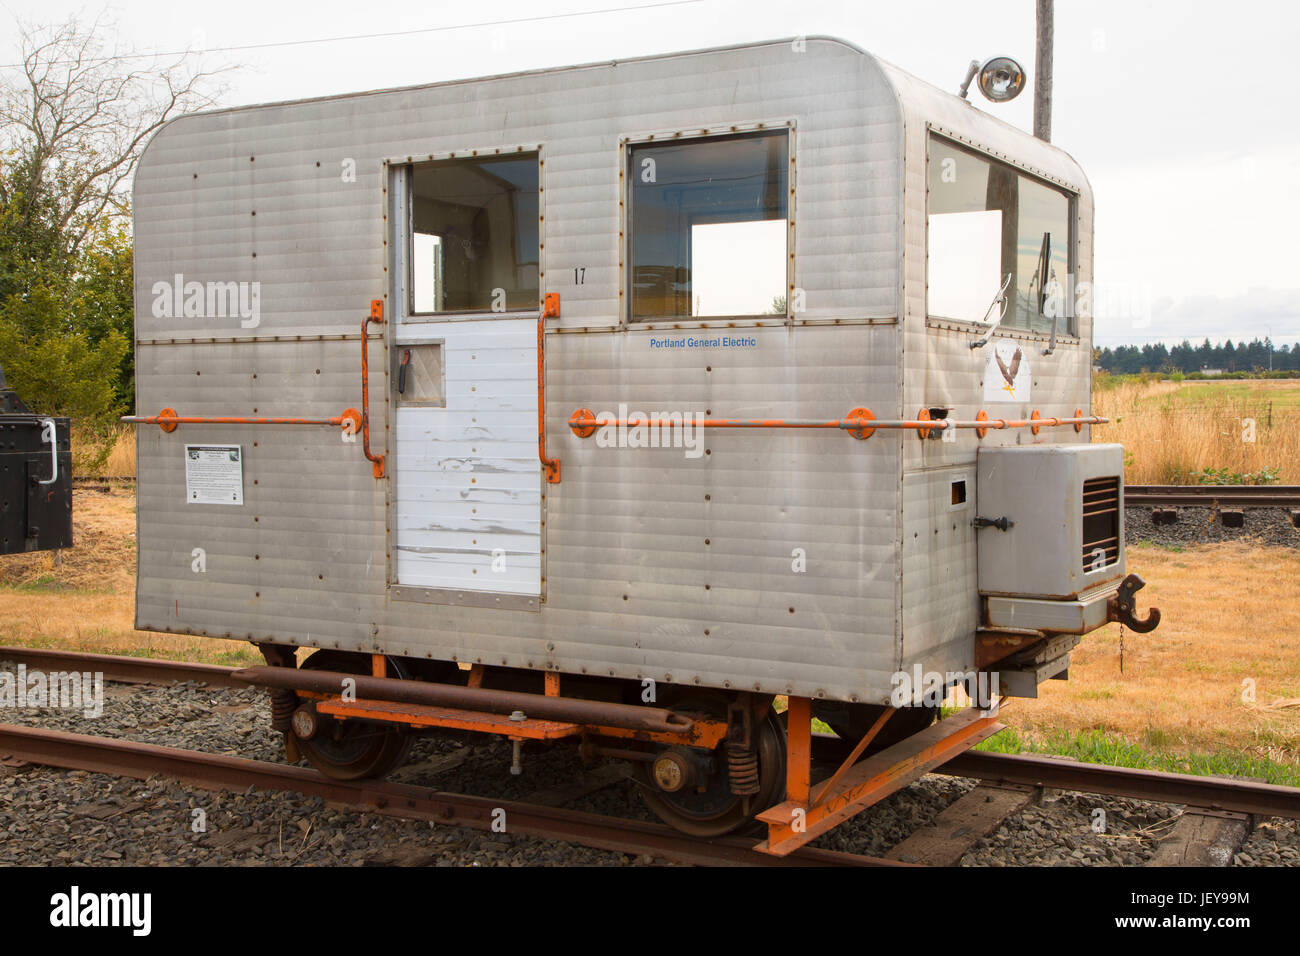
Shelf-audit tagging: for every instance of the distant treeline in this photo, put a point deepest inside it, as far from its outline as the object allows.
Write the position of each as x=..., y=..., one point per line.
x=1186, y=357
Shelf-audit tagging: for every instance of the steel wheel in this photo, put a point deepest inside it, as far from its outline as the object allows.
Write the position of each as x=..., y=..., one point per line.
x=353, y=749
x=718, y=810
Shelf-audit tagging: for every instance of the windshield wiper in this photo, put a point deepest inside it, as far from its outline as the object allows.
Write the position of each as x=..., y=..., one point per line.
x=1000, y=297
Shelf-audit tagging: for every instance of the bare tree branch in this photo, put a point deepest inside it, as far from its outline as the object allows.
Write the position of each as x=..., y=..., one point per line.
x=74, y=119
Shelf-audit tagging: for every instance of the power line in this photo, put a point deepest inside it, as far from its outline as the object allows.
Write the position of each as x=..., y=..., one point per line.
x=378, y=36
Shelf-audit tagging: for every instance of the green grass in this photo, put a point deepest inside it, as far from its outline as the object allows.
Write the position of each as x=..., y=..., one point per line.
x=1152, y=754
x=1153, y=543
x=236, y=658
x=50, y=584
x=1243, y=392
x=246, y=658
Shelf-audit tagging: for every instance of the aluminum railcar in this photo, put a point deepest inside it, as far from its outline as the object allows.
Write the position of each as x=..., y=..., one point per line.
x=649, y=390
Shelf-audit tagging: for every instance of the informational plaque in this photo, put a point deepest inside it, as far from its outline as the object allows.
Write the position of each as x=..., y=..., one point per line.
x=214, y=474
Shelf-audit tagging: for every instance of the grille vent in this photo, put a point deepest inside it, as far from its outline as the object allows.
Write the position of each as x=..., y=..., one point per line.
x=1101, y=506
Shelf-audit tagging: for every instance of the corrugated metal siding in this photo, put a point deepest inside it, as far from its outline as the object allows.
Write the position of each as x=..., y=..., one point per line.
x=939, y=607
x=644, y=576
x=319, y=240
x=693, y=561
x=939, y=367
x=653, y=564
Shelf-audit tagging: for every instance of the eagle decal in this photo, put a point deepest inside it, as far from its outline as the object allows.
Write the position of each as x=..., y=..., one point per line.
x=1009, y=371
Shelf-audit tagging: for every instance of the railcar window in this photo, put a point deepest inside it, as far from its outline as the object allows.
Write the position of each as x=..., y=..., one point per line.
x=987, y=220
x=473, y=235
x=709, y=226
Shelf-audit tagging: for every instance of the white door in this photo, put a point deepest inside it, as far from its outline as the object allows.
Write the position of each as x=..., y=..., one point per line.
x=466, y=507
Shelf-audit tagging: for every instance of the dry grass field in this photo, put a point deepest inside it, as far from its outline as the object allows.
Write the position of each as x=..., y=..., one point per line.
x=1220, y=674
x=90, y=456
x=1230, y=616
x=83, y=598
x=1172, y=429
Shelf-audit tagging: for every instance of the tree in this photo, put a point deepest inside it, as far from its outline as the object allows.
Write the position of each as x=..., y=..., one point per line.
x=57, y=368
x=75, y=116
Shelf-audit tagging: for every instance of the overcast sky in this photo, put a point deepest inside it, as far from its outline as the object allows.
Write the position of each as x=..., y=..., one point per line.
x=1181, y=113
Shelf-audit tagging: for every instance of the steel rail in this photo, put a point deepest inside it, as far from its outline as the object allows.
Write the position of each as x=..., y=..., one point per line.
x=1241, y=796
x=123, y=480
x=1206, y=496
x=1210, y=793
x=219, y=772
x=124, y=669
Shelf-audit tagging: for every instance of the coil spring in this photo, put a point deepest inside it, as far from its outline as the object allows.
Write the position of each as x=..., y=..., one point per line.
x=283, y=704
x=742, y=768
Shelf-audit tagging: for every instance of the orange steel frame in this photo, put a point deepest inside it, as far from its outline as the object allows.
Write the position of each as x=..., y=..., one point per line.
x=810, y=811
x=704, y=734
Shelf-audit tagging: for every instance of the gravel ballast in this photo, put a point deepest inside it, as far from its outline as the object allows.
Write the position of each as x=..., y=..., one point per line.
x=77, y=818
x=1269, y=527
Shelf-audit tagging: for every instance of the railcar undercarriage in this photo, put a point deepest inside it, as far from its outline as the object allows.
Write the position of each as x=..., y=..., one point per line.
x=707, y=762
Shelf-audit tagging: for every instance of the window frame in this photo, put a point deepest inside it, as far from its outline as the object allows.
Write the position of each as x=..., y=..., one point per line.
x=1069, y=332
x=406, y=233
x=626, y=145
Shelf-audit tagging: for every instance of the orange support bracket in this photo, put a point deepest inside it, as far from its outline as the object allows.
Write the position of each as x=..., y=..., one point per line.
x=805, y=815
x=798, y=763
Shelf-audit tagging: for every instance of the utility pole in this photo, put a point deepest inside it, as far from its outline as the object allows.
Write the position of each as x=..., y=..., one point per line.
x=1043, y=72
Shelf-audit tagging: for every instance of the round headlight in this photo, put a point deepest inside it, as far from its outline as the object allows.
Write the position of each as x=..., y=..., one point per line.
x=1001, y=79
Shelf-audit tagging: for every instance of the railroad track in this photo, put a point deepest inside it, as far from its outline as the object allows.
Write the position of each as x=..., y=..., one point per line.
x=218, y=772
x=93, y=481
x=1008, y=782
x=1213, y=496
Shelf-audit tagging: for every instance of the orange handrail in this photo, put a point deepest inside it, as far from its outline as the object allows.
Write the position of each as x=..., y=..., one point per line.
x=550, y=466
x=377, y=316
x=168, y=419
x=860, y=423
x=351, y=420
